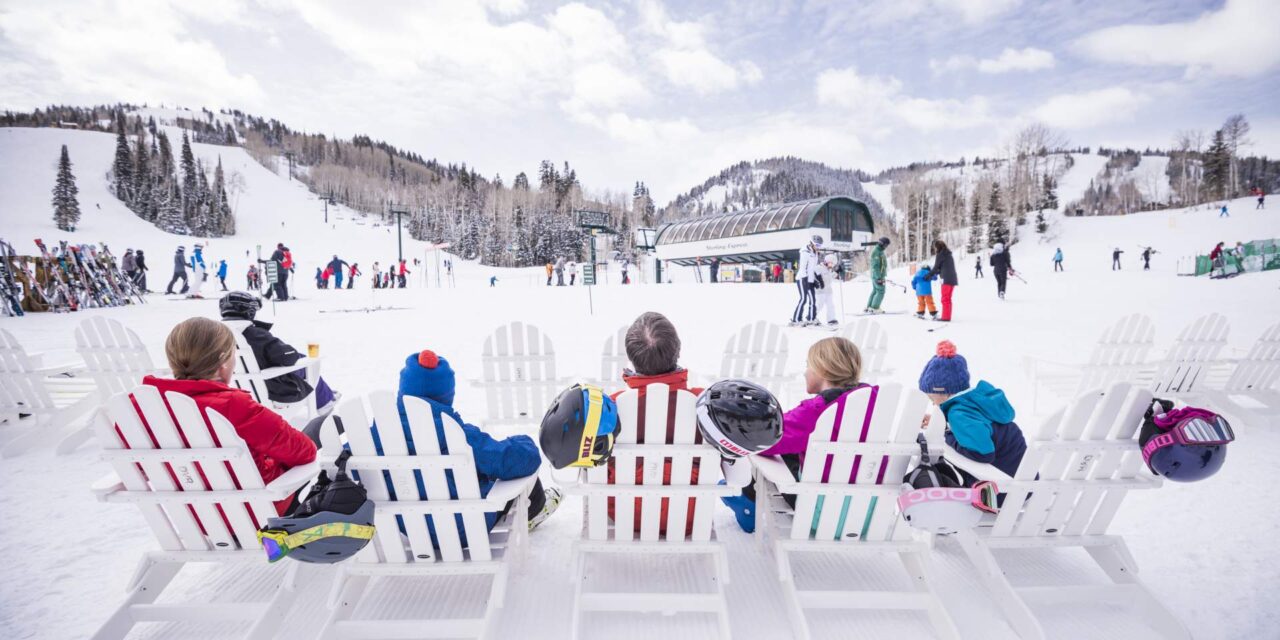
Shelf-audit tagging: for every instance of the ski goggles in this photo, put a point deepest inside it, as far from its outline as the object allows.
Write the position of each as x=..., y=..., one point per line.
x=981, y=496
x=1188, y=425
x=598, y=430
x=278, y=543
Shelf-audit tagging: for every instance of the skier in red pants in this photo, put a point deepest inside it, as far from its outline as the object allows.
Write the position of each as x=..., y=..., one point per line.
x=944, y=265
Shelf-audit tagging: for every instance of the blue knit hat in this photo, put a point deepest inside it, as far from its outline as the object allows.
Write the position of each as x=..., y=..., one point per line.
x=946, y=372
x=426, y=375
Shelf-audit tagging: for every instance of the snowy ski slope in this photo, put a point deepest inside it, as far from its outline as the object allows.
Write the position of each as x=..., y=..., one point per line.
x=1201, y=547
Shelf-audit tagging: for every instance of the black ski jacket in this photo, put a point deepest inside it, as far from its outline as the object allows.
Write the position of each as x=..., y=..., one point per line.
x=179, y=262
x=945, y=265
x=271, y=351
x=140, y=261
x=1001, y=262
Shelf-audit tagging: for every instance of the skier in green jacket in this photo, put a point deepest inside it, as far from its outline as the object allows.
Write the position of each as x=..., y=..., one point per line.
x=877, y=276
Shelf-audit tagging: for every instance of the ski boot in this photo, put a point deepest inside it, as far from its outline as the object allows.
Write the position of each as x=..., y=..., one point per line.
x=744, y=510
x=553, y=498
x=920, y=314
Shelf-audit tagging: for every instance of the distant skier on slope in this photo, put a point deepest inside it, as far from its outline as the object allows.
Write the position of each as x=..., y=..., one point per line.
x=1115, y=259
x=878, y=269
x=222, y=273
x=1002, y=266
x=1057, y=260
x=336, y=265
x=977, y=266
x=1146, y=258
x=351, y=276
x=179, y=271
x=198, y=269
x=825, y=279
x=944, y=265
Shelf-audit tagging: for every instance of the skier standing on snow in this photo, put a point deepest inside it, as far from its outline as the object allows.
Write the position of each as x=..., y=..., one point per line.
x=550, y=269
x=1002, y=266
x=179, y=271
x=404, y=271
x=944, y=265
x=924, y=293
x=1115, y=259
x=222, y=273
x=141, y=261
x=1146, y=258
x=1057, y=260
x=322, y=277
x=377, y=275
x=573, y=272
x=878, y=269
x=281, y=286
x=825, y=279
x=1262, y=199
x=805, y=273
x=198, y=269
x=715, y=269
x=336, y=265
x=351, y=276
x=1223, y=212
x=977, y=266
x=129, y=265
x=251, y=278
x=559, y=268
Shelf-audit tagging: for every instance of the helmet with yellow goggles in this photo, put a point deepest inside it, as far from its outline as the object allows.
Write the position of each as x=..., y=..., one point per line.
x=579, y=428
x=333, y=523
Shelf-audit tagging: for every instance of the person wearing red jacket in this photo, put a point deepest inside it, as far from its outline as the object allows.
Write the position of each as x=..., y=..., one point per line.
x=653, y=347
x=201, y=353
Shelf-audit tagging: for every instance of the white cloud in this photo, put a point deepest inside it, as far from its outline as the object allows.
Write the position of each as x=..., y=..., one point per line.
x=1090, y=108
x=1028, y=59
x=1241, y=40
x=876, y=101
x=684, y=58
x=885, y=12
x=603, y=85
x=125, y=51
x=976, y=11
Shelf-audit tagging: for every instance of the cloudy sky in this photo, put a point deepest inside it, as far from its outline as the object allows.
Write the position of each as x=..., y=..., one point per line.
x=667, y=92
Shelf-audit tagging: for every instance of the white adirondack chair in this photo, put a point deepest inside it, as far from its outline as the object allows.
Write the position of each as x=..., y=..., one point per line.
x=1186, y=366
x=52, y=395
x=1251, y=393
x=1079, y=466
x=252, y=378
x=758, y=352
x=518, y=368
x=690, y=509
x=117, y=361
x=189, y=498
x=614, y=359
x=873, y=344
x=392, y=553
x=1121, y=354
x=846, y=502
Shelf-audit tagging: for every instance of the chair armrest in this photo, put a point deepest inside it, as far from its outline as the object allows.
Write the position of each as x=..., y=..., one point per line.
x=504, y=491
x=773, y=470
x=292, y=480
x=276, y=372
x=980, y=470
x=105, y=486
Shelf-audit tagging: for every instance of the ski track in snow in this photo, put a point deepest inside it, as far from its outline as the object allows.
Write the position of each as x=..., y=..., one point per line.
x=1201, y=547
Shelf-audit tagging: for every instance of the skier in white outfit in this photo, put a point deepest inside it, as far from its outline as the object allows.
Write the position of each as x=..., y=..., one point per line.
x=197, y=266
x=826, y=283
x=806, y=279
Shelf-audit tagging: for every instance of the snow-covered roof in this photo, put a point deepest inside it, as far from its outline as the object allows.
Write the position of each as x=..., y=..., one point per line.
x=778, y=217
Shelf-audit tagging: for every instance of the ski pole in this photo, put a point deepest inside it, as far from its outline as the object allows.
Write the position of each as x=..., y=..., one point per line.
x=904, y=289
x=1014, y=274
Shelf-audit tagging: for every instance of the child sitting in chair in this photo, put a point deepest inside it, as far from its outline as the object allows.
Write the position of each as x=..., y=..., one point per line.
x=833, y=368
x=270, y=351
x=980, y=422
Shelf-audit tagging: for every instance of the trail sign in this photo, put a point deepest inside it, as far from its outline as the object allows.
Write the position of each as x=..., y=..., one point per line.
x=594, y=219
x=588, y=274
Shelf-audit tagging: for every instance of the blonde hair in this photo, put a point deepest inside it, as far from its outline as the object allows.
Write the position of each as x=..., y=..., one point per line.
x=197, y=347
x=836, y=360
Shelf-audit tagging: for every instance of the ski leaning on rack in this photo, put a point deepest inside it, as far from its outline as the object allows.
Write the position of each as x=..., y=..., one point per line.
x=11, y=289
x=60, y=295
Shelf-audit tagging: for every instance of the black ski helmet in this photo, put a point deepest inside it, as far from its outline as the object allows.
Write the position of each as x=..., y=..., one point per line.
x=884, y=242
x=239, y=305
x=739, y=417
x=335, y=520
x=579, y=428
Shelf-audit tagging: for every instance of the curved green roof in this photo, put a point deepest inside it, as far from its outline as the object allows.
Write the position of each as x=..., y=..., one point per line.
x=778, y=217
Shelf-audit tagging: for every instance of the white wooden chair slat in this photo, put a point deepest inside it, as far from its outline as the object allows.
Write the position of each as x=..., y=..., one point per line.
x=28, y=386
x=655, y=428
x=391, y=434
x=356, y=421
x=161, y=475
x=613, y=359
x=518, y=374
x=121, y=415
x=467, y=484
x=873, y=344
x=190, y=474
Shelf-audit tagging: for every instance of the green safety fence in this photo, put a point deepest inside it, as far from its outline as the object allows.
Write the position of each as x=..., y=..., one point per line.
x=1259, y=255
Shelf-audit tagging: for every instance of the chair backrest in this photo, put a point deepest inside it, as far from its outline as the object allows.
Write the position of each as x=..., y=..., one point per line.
x=1079, y=465
x=688, y=514
x=113, y=354
x=865, y=440
x=247, y=371
x=21, y=388
x=359, y=417
x=758, y=352
x=1192, y=354
x=1121, y=352
x=518, y=373
x=873, y=344
x=614, y=358
x=159, y=445
x=1259, y=370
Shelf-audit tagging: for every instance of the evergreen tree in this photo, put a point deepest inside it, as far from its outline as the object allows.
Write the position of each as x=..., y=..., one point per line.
x=66, y=209
x=1217, y=166
x=975, y=226
x=122, y=168
x=190, y=181
x=1050, y=197
x=226, y=222
x=169, y=211
x=1042, y=225
x=521, y=183
x=142, y=177
x=997, y=226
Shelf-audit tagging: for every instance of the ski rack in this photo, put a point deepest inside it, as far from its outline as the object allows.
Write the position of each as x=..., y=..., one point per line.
x=65, y=278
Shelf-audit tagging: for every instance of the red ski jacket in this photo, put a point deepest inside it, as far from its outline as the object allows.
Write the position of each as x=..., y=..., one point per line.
x=274, y=445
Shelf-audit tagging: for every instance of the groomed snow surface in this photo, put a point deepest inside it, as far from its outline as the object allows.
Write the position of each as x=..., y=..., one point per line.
x=1206, y=549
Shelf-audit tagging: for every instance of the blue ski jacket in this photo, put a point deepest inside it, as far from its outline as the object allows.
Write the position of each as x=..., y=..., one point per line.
x=922, y=283
x=981, y=427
